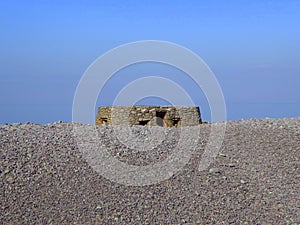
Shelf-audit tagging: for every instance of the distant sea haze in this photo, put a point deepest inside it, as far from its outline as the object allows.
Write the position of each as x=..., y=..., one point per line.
x=47, y=113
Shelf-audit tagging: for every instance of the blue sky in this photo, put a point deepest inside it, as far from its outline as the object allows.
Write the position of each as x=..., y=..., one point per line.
x=253, y=48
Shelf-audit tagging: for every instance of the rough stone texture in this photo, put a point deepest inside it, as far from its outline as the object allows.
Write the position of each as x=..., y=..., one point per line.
x=254, y=179
x=166, y=116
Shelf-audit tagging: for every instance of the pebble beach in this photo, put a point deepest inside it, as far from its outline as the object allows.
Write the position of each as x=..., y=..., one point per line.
x=254, y=179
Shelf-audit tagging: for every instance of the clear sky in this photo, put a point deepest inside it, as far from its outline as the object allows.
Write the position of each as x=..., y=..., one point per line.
x=253, y=48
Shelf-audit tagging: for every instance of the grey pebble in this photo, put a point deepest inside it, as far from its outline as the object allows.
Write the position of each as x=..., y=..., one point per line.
x=216, y=171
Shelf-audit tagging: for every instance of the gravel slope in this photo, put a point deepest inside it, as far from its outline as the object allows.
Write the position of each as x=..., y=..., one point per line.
x=254, y=179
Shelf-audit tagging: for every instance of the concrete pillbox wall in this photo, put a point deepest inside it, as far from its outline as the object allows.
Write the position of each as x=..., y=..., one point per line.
x=167, y=116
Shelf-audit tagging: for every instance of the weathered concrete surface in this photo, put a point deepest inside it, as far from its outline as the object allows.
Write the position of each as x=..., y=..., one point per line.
x=167, y=116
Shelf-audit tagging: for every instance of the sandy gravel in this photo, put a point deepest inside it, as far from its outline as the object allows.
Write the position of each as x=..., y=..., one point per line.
x=255, y=178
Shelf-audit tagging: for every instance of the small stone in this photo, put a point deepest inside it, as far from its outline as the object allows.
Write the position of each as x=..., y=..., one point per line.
x=243, y=181
x=10, y=180
x=215, y=171
x=222, y=154
x=231, y=165
x=224, y=177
